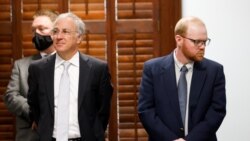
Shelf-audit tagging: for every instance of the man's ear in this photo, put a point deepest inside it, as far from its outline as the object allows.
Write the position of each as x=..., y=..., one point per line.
x=79, y=39
x=178, y=39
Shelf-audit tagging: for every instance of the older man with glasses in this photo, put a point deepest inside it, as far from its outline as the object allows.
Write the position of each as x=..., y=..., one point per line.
x=70, y=92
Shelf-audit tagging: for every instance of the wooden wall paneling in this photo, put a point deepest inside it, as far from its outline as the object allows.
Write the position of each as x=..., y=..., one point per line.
x=133, y=50
x=135, y=30
x=7, y=120
x=7, y=53
x=111, y=53
x=94, y=45
x=16, y=29
x=170, y=12
x=92, y=13
x=89, y=9
x=6, y=124
x=63, y=6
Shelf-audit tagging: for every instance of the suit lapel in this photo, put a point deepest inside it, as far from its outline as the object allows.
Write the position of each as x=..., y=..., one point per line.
x=84, y=72
x=36, y=57
x=49, y=79
x=169, y=78
x=198, y=80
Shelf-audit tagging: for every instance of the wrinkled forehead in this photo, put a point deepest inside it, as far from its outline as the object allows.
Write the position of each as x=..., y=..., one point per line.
x=65, y=23
x=42, y=21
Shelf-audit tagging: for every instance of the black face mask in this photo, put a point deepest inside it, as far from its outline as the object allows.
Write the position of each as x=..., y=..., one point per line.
x=42, y=42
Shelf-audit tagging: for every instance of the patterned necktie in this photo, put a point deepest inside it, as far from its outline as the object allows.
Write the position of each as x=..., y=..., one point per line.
x=63, y=105
x=182, y=93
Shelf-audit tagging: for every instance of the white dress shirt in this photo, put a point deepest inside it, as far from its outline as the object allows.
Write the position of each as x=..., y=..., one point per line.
x=43, y=54
x=74, y=131
x=189, y=74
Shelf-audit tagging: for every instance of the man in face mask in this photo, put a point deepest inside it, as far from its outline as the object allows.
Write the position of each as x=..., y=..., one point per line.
x=41, y=28
x=15, y=97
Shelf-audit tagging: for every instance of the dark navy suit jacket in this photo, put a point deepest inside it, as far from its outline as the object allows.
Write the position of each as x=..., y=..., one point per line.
x=159, y=107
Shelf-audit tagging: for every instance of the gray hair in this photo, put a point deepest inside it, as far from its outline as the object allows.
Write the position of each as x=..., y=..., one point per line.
x=80, y=25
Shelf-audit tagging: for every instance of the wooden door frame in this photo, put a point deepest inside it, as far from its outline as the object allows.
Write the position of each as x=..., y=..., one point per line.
x=165, y=18
x=170, y=13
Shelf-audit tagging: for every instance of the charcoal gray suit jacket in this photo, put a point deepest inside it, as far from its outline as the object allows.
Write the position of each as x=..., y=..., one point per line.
x=94, y=97
x=15, y=98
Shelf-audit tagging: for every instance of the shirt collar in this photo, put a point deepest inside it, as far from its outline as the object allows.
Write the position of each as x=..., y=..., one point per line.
x=74, y=60
x=43, y=54
x=178, y=64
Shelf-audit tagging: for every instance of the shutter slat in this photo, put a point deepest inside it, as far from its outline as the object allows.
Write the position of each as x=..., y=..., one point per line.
x=129, y=73
x=134, y=47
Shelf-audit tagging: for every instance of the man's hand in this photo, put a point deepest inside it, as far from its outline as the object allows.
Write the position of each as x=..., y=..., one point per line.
x=34, y=126
x=180, y=139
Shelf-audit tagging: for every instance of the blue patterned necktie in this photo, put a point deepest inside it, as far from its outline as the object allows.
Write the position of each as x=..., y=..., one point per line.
x=182, y=93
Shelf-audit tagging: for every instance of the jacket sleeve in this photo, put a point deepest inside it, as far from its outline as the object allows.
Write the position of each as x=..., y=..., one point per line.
x=154, y=126
x=14, y=99
x=33, y=94
x=105, y=93
x=215, y=113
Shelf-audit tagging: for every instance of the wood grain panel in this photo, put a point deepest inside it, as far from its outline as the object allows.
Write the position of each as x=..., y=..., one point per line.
x=7, y=127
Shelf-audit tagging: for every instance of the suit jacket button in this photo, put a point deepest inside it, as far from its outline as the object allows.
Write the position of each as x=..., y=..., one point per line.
x=182, y=129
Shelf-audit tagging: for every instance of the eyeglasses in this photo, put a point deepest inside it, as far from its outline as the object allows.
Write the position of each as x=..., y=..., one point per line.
x=64, y=32
x=199, y=43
